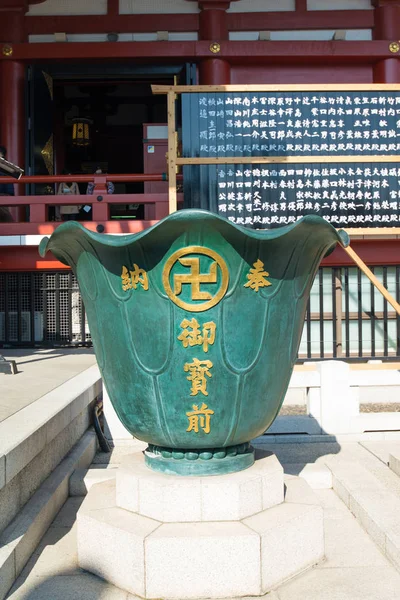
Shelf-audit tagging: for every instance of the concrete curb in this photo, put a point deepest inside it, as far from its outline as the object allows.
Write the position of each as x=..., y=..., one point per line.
x=19, y=540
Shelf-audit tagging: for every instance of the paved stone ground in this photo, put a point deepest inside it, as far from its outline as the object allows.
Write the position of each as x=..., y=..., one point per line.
x=39, y=372
x=354, y=568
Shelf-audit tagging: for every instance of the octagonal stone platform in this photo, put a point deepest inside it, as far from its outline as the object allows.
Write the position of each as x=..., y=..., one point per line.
x=192, y=551
x=173, y=498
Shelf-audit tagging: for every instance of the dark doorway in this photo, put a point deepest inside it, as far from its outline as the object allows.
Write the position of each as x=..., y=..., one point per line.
x=117, y=101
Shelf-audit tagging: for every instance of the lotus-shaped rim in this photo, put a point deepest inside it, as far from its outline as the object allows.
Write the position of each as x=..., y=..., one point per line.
x=299, y=251
x=184, y=216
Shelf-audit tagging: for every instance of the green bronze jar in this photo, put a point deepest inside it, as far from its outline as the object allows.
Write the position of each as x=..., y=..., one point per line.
x=196, y=325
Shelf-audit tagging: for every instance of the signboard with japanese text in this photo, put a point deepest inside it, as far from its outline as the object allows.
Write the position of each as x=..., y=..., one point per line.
x=291, y=125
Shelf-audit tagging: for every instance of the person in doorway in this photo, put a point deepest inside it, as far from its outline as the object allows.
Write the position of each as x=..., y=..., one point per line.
x=90, y=187
x=68, y=212
x=6, y=189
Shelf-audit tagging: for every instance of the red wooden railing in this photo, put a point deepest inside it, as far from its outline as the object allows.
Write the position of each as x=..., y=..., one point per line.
x=156, y=205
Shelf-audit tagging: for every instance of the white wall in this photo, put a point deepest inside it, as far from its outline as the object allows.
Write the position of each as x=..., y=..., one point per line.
x=339, y=4
x=129, y=7
x=262, y=6
x=69, y=7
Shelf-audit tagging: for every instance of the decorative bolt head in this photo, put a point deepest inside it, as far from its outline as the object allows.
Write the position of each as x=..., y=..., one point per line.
x=394, y=47
x=215, y=48
x=7, y=50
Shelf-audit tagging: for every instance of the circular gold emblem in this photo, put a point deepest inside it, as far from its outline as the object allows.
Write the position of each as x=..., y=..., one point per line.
x=215, y=47
x=194, y=277
x=7, y=50
x=394, y=47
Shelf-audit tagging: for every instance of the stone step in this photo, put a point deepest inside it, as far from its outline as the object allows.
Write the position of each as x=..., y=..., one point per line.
x=372, y=496
x=20, y=538
x=317, y=475
x=82, y=480
x=394, y=462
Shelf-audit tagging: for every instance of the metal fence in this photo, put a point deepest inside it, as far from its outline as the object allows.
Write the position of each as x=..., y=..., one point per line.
x=43, y=309
x=346, y=317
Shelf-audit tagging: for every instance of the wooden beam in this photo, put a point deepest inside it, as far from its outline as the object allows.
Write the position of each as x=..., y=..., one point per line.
x=301, y=19
x=172, y=152
x=112, y=9
x=235, y=52
x=361, y=265
x=301, y=6
x=261, y=160
x=114, y=22
x=316, y=87
x=257, y=21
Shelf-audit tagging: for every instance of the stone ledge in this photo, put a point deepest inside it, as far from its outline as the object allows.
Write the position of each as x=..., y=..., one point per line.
x=173, y=498
x=20, y=538
x=24, y=435
x=193, y=560
x=375, y=507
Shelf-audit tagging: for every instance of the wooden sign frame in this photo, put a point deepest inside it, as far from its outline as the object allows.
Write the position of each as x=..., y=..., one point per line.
x=174, y=161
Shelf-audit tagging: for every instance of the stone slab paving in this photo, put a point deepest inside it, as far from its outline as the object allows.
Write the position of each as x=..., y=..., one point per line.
x=39, y=372
x=354, y=568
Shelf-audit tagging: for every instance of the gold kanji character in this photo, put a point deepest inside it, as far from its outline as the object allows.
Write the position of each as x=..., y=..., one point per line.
x=191, y=335
x=126, y=280
x=199, y=418
x=139, y=276
x=131, y=279
x=199, y=370
x=257, y=276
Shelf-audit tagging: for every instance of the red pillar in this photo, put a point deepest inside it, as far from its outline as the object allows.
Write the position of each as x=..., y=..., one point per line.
x=12, y=113
x=387, y=27
x=12, y=87
x=214, y=71
x=213, y=27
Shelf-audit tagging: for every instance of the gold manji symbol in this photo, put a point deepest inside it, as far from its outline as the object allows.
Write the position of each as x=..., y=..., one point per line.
x=217, y=274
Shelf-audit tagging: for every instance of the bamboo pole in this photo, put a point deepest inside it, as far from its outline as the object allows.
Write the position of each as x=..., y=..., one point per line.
x=361, y=265
x=172, y=154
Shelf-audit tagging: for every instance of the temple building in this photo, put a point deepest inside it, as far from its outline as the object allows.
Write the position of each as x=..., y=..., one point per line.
x=78, y=106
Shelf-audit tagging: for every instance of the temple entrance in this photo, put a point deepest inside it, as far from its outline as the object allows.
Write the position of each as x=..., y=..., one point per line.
x=124, y=126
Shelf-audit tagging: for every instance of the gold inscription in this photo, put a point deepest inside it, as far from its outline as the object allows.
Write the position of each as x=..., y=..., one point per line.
x=199, y=418
x=217, y=274
x=192, y=336
x=257, y=276
x=198, y=371
x=131, y=279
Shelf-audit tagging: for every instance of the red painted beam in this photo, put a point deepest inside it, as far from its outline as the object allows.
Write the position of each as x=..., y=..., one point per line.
x=112, y=8
x=120, y=178
x=47, y=228
x=27, y=258
x=372, y=252
x=301, y=19
x=51, y=200
x=270, y=21
x=235, y=52
x=111, y=23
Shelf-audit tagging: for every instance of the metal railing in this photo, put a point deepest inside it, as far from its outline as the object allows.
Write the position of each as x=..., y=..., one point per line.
x=348, y=318
x=33, y=210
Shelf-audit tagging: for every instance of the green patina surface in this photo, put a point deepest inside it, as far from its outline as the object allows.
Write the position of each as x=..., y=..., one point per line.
x=195, y=360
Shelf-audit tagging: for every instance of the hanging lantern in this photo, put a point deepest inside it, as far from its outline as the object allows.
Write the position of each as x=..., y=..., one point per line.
x=81, y=131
